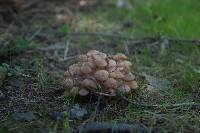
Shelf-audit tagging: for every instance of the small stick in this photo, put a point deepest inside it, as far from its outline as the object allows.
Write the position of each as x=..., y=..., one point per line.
x=126, y=48
x=106, y=127
x=122, y=37
x=66, y=50
x=189, y=104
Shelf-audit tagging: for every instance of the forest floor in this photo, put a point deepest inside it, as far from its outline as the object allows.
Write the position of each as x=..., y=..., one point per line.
x=159, y=37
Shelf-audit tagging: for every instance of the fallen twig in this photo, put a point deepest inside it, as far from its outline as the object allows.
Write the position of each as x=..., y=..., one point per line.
x=135, y=40
x=127, y=38
x=66, y=50
x=189, y=104
x=105, y=127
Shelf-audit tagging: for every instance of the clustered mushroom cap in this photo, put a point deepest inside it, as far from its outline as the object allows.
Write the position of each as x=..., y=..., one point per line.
x=129, y=77
x=124, y=89
x=120, y=56
x=69, y=83
x=85, y=68
x=99, y=62
x=112, y=63
x=117, y=75
x=95, y=69
x=132, y=84
x=101, y=75
x=88, y=83
x=110, y=83
x=83, y=92
x=82, y=58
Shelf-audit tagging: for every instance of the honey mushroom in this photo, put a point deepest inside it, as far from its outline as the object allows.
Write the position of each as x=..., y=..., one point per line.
x=88, y=83
x=68, y=83
x=129, y=77
x=124, y=89
x=67, y=74
x=74, y=70
x=111, y=73
x=116, y=75
x=100, y=62
x=101, y=75
x=132, y=84
x=83, y=92
x=120, y=56
x=110, y=83
x=86, y=68
x=82, y=58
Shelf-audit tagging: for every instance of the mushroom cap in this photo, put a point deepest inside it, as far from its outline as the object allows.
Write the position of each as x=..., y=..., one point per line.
x=88, y=83
x=83, y=92
x=129, y=77
x=86, y=68
x=116, y=75
x=101, y=75
x=111, y=69
x=82, y=58
x=68, y=83
x=95, y=53
x=110, y=83
x=120, y=69
x=92, y=52
x=120, y=56
x=67, y=74
x=124, y=89
x=100, y=62
x=124, y=64
x=90, y=64
x=102, y=55
x=132, y=84
x=74, y=69
x=112, y=63
x=91, y=60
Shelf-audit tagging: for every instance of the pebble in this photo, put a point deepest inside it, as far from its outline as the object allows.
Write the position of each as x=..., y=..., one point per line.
x=2, y=96
x=77, y=112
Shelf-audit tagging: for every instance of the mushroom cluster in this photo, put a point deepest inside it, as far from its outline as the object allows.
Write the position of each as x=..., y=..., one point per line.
x=99, y=72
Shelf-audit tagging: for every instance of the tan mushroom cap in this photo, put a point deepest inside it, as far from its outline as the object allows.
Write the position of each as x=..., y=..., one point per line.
x=92, y=52
x=116, y=75
x=74, y=69
x=132, y=84
x=124, y=89
x=91, y=60
x=95, y=53
x=85, y=68
x=88, y=83
x=110, y=83
x=101, y=75
x=67, y=74
x=99, y=62
x=111, y=69
x=82, y=58
x=68, y=83
x=120, y=56
x=102, y=55
x=112, y=63
x=120, y=69
x=124, y=63
x=129, y=77
x=83, y=92
x=90, y=64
